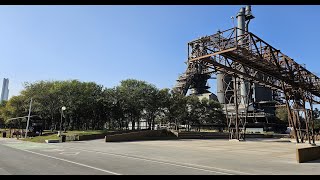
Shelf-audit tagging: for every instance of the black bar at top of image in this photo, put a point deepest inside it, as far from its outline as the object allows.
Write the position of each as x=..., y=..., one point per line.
x=158, y=2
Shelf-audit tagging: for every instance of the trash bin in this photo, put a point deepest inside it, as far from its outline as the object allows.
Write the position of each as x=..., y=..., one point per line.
x=63, y=138
x=4, y=134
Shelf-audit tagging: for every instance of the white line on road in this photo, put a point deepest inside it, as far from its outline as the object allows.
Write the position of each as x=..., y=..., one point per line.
x=80, y=164
x=234, y=171
x=4, y=172
x=157, y=161
x=51, y=150
x=70, y=153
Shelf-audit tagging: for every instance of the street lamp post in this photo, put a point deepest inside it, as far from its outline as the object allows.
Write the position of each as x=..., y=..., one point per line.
x=25, y=136
x=62, y=109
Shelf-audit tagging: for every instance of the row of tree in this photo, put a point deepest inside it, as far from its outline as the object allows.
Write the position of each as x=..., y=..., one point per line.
x=282, y=114
x=91, y=106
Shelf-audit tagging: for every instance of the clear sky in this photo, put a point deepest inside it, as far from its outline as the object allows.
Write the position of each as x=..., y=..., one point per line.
x=107, y=44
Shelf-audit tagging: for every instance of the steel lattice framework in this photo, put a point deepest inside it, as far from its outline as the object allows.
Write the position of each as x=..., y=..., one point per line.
x=250, y=58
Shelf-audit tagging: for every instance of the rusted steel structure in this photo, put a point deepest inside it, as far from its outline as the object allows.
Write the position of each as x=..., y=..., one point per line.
x=246, y=58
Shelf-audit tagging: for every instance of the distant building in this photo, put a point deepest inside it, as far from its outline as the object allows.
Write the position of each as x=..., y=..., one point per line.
x=5, y=90
x=208, y=96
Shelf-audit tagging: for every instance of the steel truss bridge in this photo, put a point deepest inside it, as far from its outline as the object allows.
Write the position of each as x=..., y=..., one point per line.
x=250, y=59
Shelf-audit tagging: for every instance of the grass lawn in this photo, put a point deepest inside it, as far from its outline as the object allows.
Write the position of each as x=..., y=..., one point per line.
x=89, y=132
x=41, y=139
x=47, y=135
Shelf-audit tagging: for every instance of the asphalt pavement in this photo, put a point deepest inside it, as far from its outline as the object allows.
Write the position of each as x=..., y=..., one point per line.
x=170, y=157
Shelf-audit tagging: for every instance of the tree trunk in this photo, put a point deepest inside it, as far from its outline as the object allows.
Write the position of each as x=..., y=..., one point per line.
x=133, y=123
x=149, y=124
x=149, y=121
x=52, y=123
x=120, y=124
x=92, y=124
x=110, y=125
x=138, y=122
x=127, y=125
x=153, y=123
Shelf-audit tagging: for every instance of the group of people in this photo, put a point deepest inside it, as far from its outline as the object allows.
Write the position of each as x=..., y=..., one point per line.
x=18, y=133
x=13, y=133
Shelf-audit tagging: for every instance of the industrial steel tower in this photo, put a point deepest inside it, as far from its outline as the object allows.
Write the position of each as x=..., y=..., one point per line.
x=252, y=76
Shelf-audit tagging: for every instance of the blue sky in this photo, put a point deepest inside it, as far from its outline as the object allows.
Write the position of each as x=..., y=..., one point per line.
x=107, y=44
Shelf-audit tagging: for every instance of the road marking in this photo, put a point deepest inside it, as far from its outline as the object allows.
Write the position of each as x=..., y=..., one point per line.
x=161, y=162
x=51, y=150
x=70, y=153
x=29, y=145
x=4, y=172
x=80, y=164
x=218, y=168
x=13, y=142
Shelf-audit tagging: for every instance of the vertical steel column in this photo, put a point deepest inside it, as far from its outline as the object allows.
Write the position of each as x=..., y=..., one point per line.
x=311, y=118
x=249, y=96
x=220, y=87
x=236, y=107
x=306, y=119
x=225, y=106
x=240, y=37
x=297, y=121
x=290, y=113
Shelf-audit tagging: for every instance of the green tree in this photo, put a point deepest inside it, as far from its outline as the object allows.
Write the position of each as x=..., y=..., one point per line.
x=82, y=99
x=114, y=104
x=136, y=95
x=154, y=104
x=176, y=109
x=45, y=100
x=194, y=111
x=212, y=112
x=2, y=113
x=316, y=113
x=91, y=106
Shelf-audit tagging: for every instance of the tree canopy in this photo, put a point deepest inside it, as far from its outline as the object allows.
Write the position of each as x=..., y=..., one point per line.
x=92, y=106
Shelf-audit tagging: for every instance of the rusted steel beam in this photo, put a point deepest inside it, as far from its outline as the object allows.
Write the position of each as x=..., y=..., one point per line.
x=261, y=63
x=261, y=56
x=213, y=54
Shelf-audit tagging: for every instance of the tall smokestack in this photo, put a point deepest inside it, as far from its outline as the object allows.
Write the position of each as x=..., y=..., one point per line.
x=240, y=33
x=248, y=16
x=220, y=87
x=241, y=23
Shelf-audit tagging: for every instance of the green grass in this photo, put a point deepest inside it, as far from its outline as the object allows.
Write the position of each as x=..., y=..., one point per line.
x=269, y=132
x=40, y=139
x=209, y=130
x=89, y=132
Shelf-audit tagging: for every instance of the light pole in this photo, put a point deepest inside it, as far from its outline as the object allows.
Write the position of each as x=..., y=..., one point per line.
x=62, y=109
x=25, y=136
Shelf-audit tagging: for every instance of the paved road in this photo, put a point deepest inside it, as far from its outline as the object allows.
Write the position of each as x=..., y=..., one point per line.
x=213, y=157
x=18, y=157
